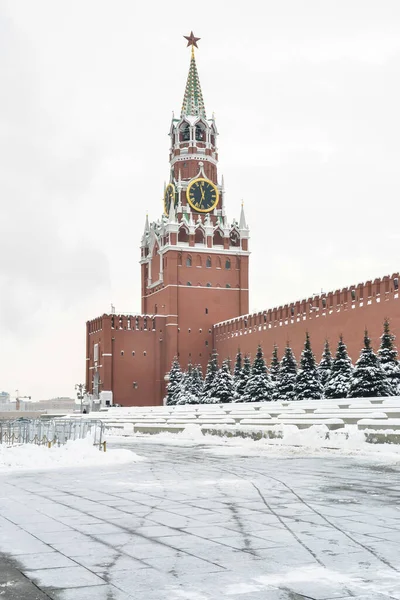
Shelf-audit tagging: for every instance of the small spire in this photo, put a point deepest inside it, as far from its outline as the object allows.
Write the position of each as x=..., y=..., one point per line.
x=222, y=183
x=146, y=224
x=193, y=103
x=242, y=222
x=172, y=215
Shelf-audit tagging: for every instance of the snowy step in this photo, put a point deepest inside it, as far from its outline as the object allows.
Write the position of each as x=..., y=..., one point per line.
x=263, y=421
x=334, y=423
x=275, y=411
x=222, y=421
x=239, y=417
x=379, y=424
x=152, y=429
x=349, y=418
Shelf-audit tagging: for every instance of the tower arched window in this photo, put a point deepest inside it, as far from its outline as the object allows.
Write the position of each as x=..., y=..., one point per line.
x=199, y=236
x=218, y=263
x=234, y=238
x=208, y=262
x=185, y=132
x=183, y=235
x=227, y=264
x=198, y=261
x=218, y=240
x=199, y=133
x=189, y=261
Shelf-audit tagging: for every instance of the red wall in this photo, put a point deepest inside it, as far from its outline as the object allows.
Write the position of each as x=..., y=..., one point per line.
x=325, y=316
x=119, y=368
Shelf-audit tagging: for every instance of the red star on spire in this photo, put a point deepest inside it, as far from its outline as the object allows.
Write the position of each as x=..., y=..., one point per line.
x=192, y=40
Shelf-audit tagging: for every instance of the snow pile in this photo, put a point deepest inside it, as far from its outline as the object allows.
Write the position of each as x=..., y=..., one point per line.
x=78, y=453
x=192, y=432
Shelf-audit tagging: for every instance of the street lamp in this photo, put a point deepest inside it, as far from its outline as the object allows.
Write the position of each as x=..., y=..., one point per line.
x=81, y=391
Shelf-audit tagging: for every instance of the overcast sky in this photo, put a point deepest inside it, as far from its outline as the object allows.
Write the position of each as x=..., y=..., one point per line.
x=306, y=97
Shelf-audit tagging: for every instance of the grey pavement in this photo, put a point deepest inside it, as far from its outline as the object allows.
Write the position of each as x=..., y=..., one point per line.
x=192, y=523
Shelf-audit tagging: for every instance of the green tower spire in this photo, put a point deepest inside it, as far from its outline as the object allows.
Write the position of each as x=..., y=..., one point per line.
x=193, y=103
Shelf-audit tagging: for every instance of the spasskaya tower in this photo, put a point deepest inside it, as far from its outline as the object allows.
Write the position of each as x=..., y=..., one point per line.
x=194, y=271
x=194, y=261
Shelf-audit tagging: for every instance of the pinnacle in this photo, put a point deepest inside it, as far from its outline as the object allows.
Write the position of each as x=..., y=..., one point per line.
x=242, y=222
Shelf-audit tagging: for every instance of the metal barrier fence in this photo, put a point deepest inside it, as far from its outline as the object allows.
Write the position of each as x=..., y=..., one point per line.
x=54, y=431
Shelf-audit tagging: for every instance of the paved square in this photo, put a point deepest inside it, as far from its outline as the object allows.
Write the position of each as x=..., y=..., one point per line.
x=194, y=523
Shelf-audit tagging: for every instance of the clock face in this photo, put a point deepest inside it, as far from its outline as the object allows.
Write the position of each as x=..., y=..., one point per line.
x=169, y=195
x=202, y=195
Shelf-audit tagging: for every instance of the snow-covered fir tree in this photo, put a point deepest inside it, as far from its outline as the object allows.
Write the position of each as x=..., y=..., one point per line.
x=387, y=354
x=224, y=384
x=325, y=366
x=338, y=383
x=238, y=367
x=369, y=379
x=174, y=383
x=195, y=383
x=308, y=385
x=259, y=387
x=274, y=371
x=241, y=383
x=185, y=395
x=287, y=376
x=208, y=387
x=274, y=367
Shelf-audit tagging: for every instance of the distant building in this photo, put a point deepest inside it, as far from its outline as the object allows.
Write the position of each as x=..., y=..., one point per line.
x=4, y=398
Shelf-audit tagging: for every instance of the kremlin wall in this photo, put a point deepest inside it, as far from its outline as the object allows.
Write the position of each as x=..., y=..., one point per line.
x=348, y=311
x=195, y=283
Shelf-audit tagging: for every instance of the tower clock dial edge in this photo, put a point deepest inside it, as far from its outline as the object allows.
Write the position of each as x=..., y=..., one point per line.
x=169, y=195
x=202, y=195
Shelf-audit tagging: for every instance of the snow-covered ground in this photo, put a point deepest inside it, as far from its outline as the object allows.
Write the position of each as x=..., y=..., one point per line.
x=205, y=519
x=72, y=454
x=307, y=442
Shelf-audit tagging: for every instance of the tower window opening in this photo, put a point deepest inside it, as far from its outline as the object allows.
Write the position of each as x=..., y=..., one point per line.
x=228, y=285
x=206, y=311
x=218, y=239
x=189, y=283
x=227, y=264
x=208, y=262
x=135, y=385
x=206, y=342
x=189, y=330
x=199, y=236
x=122, y=352
x=353, y=294
x=209, y=331
x=144, y=353
x=396, y=283
x=185, y=132
x=189, y=261
x=199, y=133
x=183, y=235
x=208, y=284
x=133, y=353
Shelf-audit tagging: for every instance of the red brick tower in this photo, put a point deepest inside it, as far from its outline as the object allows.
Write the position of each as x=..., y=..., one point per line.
x=194, y=262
